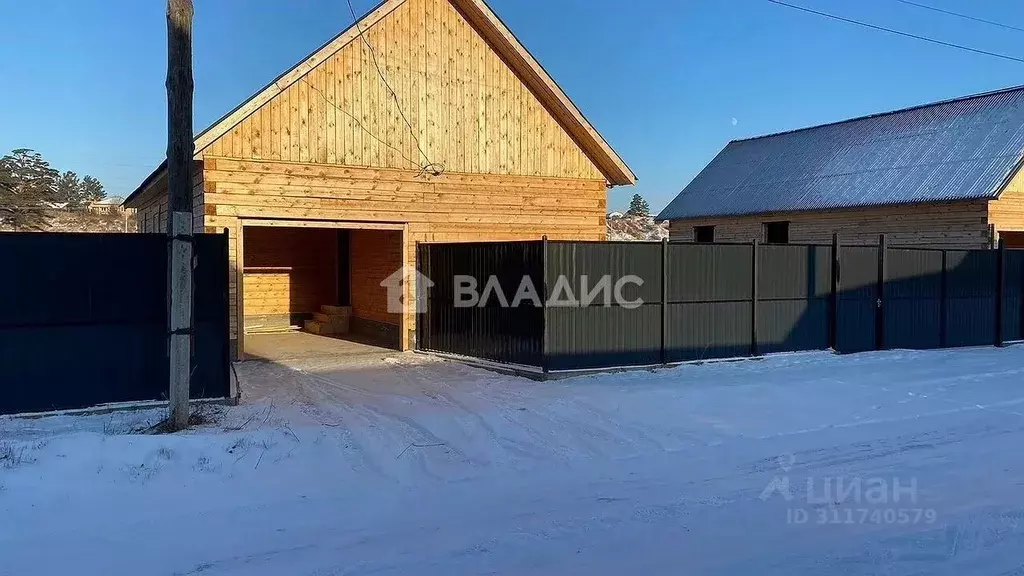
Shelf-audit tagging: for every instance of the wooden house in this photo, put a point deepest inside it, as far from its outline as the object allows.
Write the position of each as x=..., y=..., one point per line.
x=946, y=174
x=425, y=121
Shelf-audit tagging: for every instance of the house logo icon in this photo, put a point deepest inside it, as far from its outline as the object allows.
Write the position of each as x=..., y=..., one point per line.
x=396, y=283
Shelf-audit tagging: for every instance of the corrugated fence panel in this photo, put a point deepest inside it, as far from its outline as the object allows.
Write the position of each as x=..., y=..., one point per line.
x=603, y=337
x=928, y=299
x=1013, y=296
x=614, y=260
x=85, y=321
x=601, y=331
x=971, y=290
x=857, y=301
x=710, y=288
x=490, y=331
x=794, y=293
x=913, y=299
x=211, y=349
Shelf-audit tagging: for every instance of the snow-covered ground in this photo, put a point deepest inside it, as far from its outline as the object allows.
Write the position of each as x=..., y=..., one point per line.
x=882, y=463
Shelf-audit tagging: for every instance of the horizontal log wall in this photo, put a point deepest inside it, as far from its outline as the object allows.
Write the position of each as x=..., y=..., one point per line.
x=448, y=208
x=1007, y=212
x=152, y=206
x=946, y=225
x=455, y=102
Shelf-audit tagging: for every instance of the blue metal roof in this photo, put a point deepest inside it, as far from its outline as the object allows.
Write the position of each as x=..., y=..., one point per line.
x=959, y=149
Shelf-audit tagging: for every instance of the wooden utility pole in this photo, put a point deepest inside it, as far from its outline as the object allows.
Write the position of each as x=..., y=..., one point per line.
x=180, y=150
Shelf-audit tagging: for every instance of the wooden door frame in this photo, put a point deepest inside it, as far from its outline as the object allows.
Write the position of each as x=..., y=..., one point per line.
x=243, y=223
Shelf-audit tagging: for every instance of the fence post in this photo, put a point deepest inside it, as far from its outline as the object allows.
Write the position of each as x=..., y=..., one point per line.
x=1000, y=274
x=880, y=304
x=544, y=304
x=943, y=304
x=233, y=395
x=664, y=300
x=754, y=252
x=833, y=329
x=420, y=267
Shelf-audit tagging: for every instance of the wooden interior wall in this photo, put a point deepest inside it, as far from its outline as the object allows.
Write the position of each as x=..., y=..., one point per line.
x=375, y=255
x=288, y=272
x=465, y=106
x=1007, y=212
x=949, y=225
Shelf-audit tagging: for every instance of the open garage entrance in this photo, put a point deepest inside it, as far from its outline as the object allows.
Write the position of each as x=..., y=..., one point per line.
x=322, y=279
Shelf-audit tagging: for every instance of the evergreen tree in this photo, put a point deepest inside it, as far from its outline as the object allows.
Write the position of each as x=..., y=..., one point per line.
x=638, y=206
x=91, y=190
x=69, y=189
x=28, y=186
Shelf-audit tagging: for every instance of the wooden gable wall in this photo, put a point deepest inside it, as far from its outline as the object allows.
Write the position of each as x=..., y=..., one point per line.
x=468, y=109
x=1007, y=212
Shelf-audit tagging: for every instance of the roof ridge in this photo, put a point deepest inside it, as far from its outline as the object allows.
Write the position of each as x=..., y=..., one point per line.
x=1017, y=88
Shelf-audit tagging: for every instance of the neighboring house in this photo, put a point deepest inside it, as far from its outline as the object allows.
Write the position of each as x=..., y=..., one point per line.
x=325, y=180
x=942, y=175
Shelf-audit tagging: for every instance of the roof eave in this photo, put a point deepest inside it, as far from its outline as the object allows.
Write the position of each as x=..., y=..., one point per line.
x=153, y=176
x=496, y=33
x=529, y=69
x=783, y=211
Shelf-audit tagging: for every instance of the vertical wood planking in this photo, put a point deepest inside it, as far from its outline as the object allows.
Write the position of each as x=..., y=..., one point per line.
x=468, y=110
x=330, y=109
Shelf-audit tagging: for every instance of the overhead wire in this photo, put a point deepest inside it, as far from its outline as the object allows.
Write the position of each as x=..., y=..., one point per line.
x=899, y=32
x=961, y=15
x=361, y=125
x=434, y=168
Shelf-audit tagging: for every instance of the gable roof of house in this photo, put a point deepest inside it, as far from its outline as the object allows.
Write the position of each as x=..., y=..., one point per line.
x=962, y=149
x=480, y=16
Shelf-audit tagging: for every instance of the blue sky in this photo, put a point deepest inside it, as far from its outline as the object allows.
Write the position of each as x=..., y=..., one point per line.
x=667, y=83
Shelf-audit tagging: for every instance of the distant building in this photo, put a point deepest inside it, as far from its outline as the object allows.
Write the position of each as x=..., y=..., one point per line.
x=944, y=175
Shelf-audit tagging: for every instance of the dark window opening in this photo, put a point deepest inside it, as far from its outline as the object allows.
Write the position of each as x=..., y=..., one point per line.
x=704, y=234
x=776, y=232
x=1012, y=239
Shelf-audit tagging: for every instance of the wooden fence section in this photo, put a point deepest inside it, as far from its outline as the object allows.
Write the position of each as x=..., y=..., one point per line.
x=704, y=301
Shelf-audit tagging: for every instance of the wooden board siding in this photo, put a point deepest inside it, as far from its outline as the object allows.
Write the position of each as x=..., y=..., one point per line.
x=152, y=207
x=289, y=274
x=466, y=108
x=950, y=225
x=1007, y=212
x=375, y=255
x=448, y=208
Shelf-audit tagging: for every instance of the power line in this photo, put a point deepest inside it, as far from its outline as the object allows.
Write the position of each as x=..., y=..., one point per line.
x=959, y=15
x=358, y=123
x=899, y=33
x=434, y=168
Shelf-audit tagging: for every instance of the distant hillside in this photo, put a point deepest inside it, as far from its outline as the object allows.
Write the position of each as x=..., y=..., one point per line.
x=638, y=228
x=106, y=216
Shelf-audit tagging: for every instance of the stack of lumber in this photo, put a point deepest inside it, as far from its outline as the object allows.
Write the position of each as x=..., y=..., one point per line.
x=330, y=320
